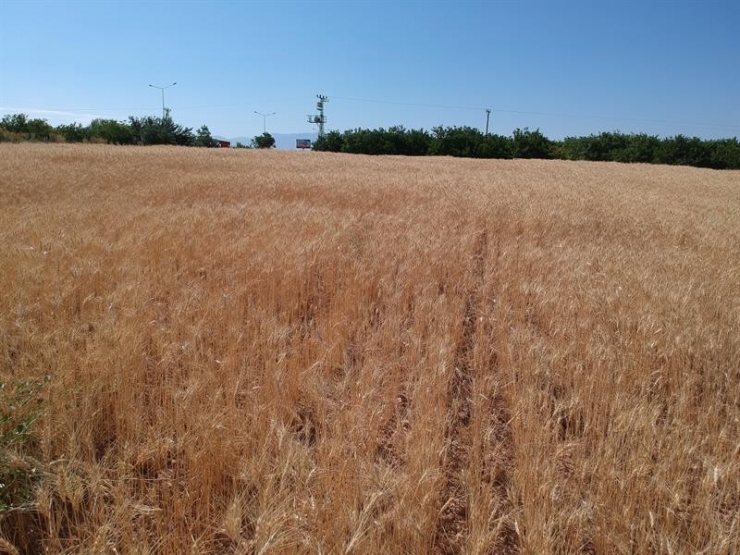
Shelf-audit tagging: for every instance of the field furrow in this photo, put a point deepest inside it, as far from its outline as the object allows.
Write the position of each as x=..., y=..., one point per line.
x=231, y=351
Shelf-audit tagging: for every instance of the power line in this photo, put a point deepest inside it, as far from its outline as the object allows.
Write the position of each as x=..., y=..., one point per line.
x=415, y=104
x=446, y=107
x=535, y=113
x=620, y=118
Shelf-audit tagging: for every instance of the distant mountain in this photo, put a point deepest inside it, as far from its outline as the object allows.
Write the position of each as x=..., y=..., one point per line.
x=283, y=141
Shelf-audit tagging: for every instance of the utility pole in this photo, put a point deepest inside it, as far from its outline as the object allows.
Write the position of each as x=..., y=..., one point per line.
x=319, y=119
x=162, y=89
x=488, y=115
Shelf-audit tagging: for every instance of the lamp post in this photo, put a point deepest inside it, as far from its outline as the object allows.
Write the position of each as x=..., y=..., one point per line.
x=264, y=120
x=162, y=89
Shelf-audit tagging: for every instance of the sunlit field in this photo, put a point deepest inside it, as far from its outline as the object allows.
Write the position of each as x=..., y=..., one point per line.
x=209, y=351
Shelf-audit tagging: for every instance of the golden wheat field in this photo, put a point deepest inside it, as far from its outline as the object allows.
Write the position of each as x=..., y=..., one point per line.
x=208, y=351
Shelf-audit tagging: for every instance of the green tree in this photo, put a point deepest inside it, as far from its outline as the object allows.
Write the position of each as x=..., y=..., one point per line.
x=203, y=137
x=416, y=143
x=111, y=131
x=73, y=132
x=160, y=131
x=27, y=129
x=15, y=123
x=531, y=144
x=367, y=141
x=494, y=146
x=725, y=154
x=466, y=142
x=685, y=151
x=330, y=142
x=641, y=149
x=263, y=141
x=39, y=130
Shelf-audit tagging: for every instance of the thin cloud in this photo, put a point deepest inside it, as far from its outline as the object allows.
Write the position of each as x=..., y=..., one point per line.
x=59, y=113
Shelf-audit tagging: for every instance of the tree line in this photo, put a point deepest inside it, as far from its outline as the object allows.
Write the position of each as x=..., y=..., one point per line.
x=469, y=142
x=464, y=141
x=148, y=130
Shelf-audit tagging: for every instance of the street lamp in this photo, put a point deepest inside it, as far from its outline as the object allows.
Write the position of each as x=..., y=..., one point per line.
x=264, y=120
x=162, y=89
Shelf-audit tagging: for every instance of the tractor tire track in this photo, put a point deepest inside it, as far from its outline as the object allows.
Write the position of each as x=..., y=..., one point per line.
x=498, y=456
x=452, y=532
x=391, y=447
x=498, y=459
x=452, y=527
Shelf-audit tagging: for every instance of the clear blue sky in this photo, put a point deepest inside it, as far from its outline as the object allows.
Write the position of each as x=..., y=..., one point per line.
x=566, y=67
